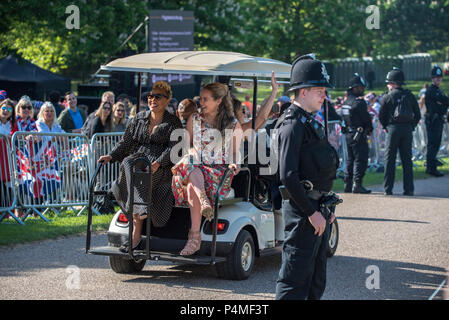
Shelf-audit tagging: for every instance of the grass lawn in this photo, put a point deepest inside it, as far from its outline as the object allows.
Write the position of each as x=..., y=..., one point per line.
x=35, y=229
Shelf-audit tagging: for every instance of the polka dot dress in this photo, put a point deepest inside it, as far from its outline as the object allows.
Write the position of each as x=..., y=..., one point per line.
x=138, y=142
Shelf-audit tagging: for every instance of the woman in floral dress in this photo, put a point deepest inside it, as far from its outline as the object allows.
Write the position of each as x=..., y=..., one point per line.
x=215, y=135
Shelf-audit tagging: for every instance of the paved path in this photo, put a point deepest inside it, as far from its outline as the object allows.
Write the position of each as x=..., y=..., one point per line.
x=402, y=240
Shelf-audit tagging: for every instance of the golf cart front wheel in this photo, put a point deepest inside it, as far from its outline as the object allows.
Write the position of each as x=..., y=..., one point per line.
x=240, y=262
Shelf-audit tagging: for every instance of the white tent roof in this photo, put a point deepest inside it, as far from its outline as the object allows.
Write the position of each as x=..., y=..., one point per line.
x=201, y=63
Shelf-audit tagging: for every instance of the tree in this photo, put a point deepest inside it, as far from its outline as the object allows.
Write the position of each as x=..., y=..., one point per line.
x=39, y=33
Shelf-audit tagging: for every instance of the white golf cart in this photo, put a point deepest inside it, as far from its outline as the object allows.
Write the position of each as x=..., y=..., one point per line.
x=244, y=224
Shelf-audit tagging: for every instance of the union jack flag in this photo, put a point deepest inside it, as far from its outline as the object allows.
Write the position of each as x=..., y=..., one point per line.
x=37, y=168
x=79, y=153
x=335, y=136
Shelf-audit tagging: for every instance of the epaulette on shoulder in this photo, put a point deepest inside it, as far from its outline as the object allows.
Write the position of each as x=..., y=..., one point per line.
x=291, y=113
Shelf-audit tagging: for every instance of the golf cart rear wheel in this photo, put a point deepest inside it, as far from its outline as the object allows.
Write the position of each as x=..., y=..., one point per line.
x=124, y=265
x=333, y=239
x=239, y=263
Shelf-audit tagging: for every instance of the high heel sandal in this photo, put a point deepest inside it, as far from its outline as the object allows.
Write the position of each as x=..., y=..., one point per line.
x=206, y=208
x=193, y=243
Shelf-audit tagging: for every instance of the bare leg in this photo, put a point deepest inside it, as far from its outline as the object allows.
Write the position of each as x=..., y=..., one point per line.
x=137, y=229
x=196, y=183
x=195, y=208
x=195, y=193
x=196, y=180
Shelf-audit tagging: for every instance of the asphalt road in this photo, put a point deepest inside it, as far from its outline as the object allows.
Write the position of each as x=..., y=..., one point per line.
x=392, y=247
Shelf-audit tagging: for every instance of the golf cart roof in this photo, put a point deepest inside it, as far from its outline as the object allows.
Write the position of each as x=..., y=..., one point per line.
x=213, y=63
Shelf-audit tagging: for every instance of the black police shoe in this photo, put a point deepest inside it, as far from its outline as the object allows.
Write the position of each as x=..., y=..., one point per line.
x=435, y=173
x=358, y=188
x=408, y=193
x=348, y=188
x=388, y=193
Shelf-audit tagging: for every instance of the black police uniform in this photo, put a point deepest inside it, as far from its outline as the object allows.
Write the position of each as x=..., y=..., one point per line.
x=304, y=154
x=399, y=132
x=436, y=105
x=355, y=115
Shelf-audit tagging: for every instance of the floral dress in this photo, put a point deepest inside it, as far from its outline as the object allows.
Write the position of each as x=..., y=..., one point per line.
x=208, y=158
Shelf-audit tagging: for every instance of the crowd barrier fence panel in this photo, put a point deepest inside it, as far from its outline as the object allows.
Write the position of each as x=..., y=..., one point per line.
x=338, y=141
x=7, y=190
x=102, y=144
x=376, y=143
x=444, y=150
x=51, y=171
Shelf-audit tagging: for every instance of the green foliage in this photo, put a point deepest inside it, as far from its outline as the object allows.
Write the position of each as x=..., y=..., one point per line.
x=273, y=28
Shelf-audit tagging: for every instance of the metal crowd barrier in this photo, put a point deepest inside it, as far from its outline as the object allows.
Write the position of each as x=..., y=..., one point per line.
x=419, y=148
x=444, y=150
x=102, y=144
x=338, y=141
x=7, y=190
x=51, y=172
x=377, y=145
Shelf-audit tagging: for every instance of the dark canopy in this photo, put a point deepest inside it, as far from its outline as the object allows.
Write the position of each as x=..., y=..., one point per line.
x=20, y=77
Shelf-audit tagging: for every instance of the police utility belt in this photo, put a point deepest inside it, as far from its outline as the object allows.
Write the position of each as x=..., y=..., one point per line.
x=358, y=132
x=326, y=199
x=310, y=192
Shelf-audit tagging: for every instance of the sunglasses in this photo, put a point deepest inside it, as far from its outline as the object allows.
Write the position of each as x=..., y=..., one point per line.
x=9, y=109
x=158, y=96
x=107, y=108
x=120, y=110
x=27, y=107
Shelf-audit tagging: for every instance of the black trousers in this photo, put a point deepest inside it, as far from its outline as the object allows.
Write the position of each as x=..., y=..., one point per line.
x=304, y=258
x=434, y=127
x=399, y=138
x=357, y=161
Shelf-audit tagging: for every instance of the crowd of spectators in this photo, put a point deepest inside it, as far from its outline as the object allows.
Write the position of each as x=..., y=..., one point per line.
x=113, y=114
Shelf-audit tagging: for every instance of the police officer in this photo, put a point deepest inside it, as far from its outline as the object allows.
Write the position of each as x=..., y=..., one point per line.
x=307, y=168
x=399, y=115
x=436, y=104
x=359, y=126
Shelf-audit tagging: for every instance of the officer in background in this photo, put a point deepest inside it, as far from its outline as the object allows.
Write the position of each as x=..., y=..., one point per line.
x=307, y=169
x=399, y=115
x=359, y=126
x=436, y=104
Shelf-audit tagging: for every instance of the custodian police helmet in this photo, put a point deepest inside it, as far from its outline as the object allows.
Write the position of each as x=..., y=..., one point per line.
x=395, y=76
x=436, y=72
x=356, y=81
x=308, y=72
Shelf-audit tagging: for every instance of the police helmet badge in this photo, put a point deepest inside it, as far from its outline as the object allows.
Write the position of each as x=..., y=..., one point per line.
x=324, y=72
x=436, y=71
x=362, y=81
